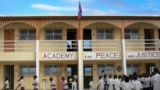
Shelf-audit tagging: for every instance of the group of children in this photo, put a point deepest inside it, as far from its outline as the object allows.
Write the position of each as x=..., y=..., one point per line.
x=131, y=82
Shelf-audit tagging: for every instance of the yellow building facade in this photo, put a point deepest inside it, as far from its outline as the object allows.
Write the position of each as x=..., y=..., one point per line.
x=48, y=46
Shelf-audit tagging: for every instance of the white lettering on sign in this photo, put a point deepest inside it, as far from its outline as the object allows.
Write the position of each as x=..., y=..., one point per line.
x=57, y=56
x=101, y=55
x=143, y=55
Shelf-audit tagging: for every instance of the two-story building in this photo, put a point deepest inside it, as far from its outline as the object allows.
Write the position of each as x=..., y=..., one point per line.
x=49, y=46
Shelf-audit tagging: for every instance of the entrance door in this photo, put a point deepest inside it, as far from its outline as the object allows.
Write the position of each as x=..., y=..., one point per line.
x=149, y=39
x=9, y=72
x=88, y=76
x=87, y=44
x=71, y=40
x=71, y=72
x=150, y=67
x=9, y=40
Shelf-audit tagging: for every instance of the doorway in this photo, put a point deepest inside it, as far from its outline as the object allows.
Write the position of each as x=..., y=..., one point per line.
x=9, y=72
x=149, y=39
x=87, y=37
x=150, y=67
x=9, y=40
x=71, y=72
x=88, y=76
x=71, y=40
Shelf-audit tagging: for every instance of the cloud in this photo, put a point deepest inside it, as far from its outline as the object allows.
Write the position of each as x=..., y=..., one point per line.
x=53, y=8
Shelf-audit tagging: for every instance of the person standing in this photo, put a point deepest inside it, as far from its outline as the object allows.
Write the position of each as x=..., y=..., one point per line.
x=74, y=84
x=21, y=83
x=35, y=83
x=100, y=85
x=65, y=83
x=6, y=84
x=127, y=84
x=156, y=79
x=136, y=84
x=91, y=85
x=116, y=83
x=110, y=83
x=53, y=84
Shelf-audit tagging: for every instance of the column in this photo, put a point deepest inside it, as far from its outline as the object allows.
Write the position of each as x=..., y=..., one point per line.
x=80, y=56
x=38, y=24
x=124, y=64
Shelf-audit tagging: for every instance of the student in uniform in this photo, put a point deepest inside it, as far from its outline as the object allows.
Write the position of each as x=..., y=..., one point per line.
x=74, y=84
x=127, y=84
x=147, y=82
x=110, y=82
x=65, y=83
x=6, y=84
x=116, y=83
x=136, y=84
x=35, y=83
x=100, y=85
x=156, y=79
x=53, y=84
x=91, y=85
x=21, y=83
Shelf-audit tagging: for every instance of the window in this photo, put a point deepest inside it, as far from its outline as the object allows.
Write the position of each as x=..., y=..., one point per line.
x=103, y=34
x=27, y=70
x=131, y=34
x=27, y=34
x=131, y=68
x=52, y=69
x=108, y=68
x=55, y=34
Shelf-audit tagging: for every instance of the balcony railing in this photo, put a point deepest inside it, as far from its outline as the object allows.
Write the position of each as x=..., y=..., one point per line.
x=17, y=46
x=72, y=45
x=143, y=45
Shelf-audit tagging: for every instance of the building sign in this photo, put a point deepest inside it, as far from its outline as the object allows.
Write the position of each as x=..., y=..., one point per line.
x=143, y=55
x=58, y=56
x=101, y=55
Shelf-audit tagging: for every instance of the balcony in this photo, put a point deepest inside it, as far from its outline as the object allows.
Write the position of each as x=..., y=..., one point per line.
x=17, y=50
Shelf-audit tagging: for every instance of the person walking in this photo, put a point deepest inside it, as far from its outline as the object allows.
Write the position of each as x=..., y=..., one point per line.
x=21, y=83
x=35, y=83
x=74, y=84
x=6, y=84
x=53, y=84
x=65, y=83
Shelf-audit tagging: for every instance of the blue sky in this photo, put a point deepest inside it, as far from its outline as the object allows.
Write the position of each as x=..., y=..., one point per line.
x=70, y=7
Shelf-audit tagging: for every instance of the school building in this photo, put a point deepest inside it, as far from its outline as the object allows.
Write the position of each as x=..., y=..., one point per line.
x=56, y=46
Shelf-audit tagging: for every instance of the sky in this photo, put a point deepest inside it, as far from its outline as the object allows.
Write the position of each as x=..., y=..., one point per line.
x=70, y=7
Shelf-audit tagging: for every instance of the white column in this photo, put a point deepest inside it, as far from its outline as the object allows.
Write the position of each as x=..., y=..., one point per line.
x=124, y=57
x=80, y=65
x=37, y=59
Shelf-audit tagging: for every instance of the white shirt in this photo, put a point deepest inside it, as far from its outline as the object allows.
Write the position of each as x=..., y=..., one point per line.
x=101, y=84
x=65, y=84
x=110, y=83
x=116, y=83
x=137, y=85
x=91, y=85
x=21, y=82
x=7, y=84
x=35, y=82
x=156, y=81
x=74, y=85
x=128, y=86
x=147, y=82
x=53, y=85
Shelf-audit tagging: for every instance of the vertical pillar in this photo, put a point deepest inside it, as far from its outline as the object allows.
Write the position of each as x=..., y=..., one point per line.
x=124, y=64
x=80, y=56
x=80, y=64
x=38, y=24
